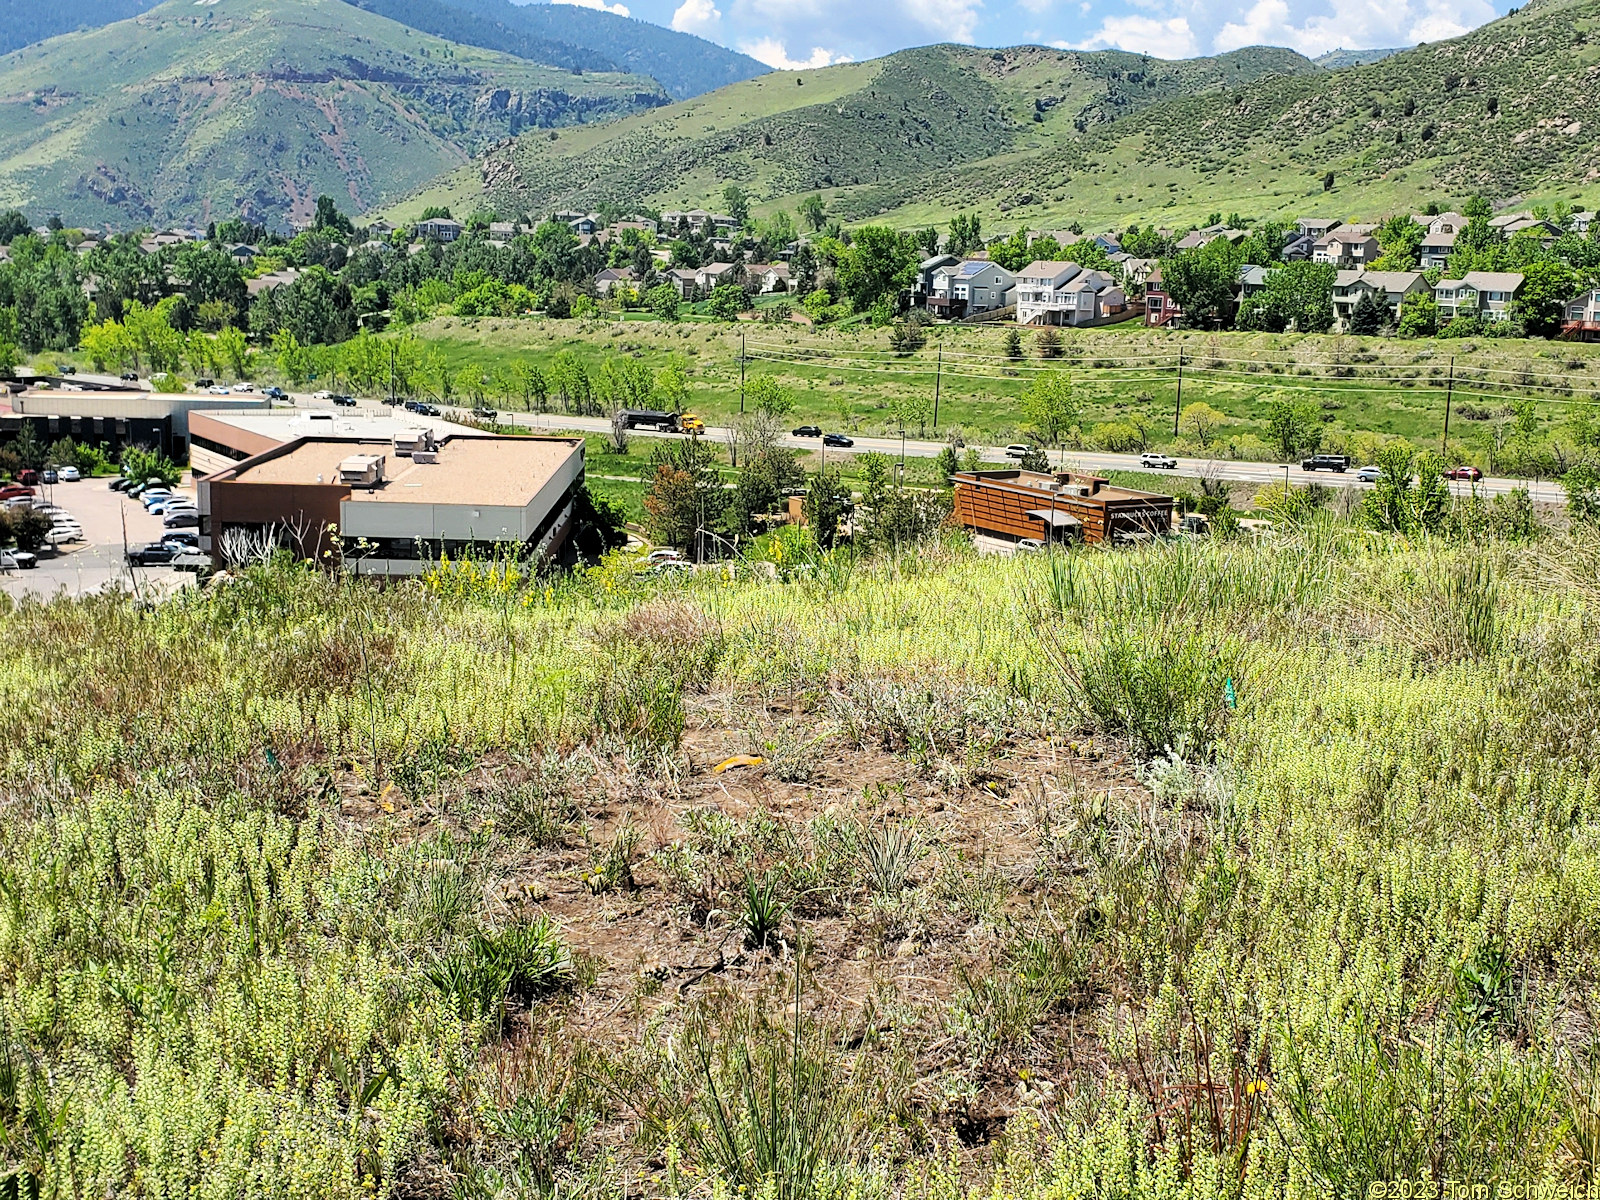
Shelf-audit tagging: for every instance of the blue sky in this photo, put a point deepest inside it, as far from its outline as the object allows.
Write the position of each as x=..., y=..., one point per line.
x=810, y=33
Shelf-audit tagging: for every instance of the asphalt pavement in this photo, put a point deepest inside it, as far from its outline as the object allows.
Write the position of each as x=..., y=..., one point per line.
x=84, y=568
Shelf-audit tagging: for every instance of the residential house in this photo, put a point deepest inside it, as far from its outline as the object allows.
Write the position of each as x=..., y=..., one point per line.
x=1445, y=222
x=440, y=229
x=709, y=276
x=923, y=284
x=1582, y=221
x=379, y=229
x=503, y=231
x=1527, y=225
x=769, y=277
x=265, y=283
x=1062, y=293
x=242, y=254
x=1438, y=244
x=642, y=225
x=1252, y=281
x=1160, y=310
x=161, y=241
x=1299, y=247
x=588, y=223
x=614, y=277
x=1582, y=321
x=696, y=220
x=1392, y=287
x=1348, y=248
x=1485, y=294
x=969, y=288
x=1105, y=241
x=1135, y=271
x=1316, y=227
x=1202, y=237
x=684, y=281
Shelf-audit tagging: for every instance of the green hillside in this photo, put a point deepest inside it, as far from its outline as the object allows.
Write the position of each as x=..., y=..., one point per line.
x=257, y=106
x=879, y=135
x=1044, y=138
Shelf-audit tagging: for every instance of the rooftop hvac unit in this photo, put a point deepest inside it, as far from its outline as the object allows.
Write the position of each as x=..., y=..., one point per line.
x=408, y=441
x=425, y=456
x=362, y=470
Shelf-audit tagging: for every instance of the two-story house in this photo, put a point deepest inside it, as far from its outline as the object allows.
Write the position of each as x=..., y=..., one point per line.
x=1316, y=227
x=1486, y=294
x=440, y=229
x=1252, y=281
x=1298, y=247
x=1058, y=293
x=1392, y=287
x=1582, y=321
x=769, y=277
x=1348, y=248
x=1437, y=247
x=684, y=280
x=612, y=278
x=1160, y=310
x=922, y=286
x=970, y=287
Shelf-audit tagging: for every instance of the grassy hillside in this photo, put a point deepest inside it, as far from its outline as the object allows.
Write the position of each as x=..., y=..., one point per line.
x=26, y=21
x=311, y=888
x=1043, y=138
x=877, y=135
x=257, y=106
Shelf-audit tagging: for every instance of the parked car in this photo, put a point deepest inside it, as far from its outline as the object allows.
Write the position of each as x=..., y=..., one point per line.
x=70, y=475
x=1338, y=463
x=1150, y=460
x=62, y=537
x=119, y=484
x=15, y=491
x=184, y=518
x=1368, y=475
x=50, y=475
x=345, y=401
x=1018, y=450
x=154, y=495
x=663, y=555
x=837, y=439
x=181, y=539
x=808, y=431
x=1029, y=546
x=177, y=505
x=1471, y=473
x=8, y=563
x=130, y=377
x=218, y=390
x=153, y=555
x=26, y=560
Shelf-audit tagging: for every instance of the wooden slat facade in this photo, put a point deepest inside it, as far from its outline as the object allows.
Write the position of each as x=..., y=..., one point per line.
x=1003, y=504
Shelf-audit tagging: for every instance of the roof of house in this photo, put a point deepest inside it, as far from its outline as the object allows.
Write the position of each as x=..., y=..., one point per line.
x=1391, y=281
x=937, y=261
x=492, y=471
x=1310, y=224
x=1252, y=274
x=1344, y=236
x=615, y=273
x=1044, y=269
x=1486, y=281
x=1440, y=239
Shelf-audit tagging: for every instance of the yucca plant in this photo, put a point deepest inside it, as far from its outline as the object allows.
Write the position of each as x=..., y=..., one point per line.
x=763, y=910
x=888, y=855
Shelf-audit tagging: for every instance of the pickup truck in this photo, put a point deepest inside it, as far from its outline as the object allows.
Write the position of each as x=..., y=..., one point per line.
x=1339, y=463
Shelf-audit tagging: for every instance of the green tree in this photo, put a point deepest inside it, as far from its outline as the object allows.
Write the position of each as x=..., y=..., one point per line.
x=10, y=351
x=293, y=360
x=1541, y=302
x=877, y=264
x=927, y=241
x=1049, y=406
x=966, y=234
x=329, y=218
x=1419, y=316
x=762, y=393
x=1302, y=293
x=1369, y=315
x=1202, y=281
x=685, y=493
x=1295, y=427
x=1410, y=495
x=663, y=300
x=813, y=212
x=826, y=506
x=1582, y=485
x=946, y=463
x=737, y=203
x=728, y=300
x=1201, y=422
x=1401, y=240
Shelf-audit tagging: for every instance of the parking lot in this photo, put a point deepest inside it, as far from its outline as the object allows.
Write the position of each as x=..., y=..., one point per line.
x=84, y=568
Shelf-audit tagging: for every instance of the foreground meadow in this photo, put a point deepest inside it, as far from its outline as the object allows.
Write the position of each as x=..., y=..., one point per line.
x=1202, y=870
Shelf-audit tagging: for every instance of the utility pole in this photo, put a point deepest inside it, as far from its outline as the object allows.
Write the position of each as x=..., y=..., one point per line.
x=1449, y=392
x=391, y=374
x=741, y=374
x=1177, y=408
x=938, y=375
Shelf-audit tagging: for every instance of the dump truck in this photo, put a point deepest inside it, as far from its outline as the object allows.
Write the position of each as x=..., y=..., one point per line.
x=648, y=418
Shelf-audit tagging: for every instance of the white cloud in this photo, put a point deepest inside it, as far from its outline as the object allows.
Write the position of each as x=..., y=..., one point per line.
x=620, y=10
x=772, y=52
x=695, y=16
x=1170, y=38
x=953, y=19
x=1361, y=25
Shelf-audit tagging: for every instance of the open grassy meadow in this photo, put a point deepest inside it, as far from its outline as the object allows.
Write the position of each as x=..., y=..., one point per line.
x=1125, y=379
x=1203, y=870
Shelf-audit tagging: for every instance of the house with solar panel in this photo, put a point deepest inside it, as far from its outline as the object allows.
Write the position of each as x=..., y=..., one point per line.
x=970, y=287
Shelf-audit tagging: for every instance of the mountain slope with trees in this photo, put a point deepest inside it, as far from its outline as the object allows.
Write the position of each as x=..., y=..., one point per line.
x=1048, y=138
x=255, y=107
x=23, y=22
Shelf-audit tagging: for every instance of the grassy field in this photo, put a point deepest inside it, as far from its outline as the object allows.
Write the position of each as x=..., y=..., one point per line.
x=1211, y=870
x=1125, y=379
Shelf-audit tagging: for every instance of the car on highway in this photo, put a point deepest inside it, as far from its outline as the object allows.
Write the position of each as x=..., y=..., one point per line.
x=184, y=518
x=70, y=475
x=202, y=384
x=837, y=439
x=130, y=377
x=486, y=414
x=152, y=555
x=244, y=387
x=808, y=431
x=275, y=393
x=1471, y=473
x=344, y=401
x=1018, y=450
x=1337, y=463
x=217, y=389
x=322, y=395
x=1152, y=461
x=1369, y=474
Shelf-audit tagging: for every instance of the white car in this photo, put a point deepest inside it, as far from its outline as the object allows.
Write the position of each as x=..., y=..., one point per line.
x=660, y=556
x=61, y=537
x=1152, y=461
x=322, y=395
x=1017, y=450
x=1368, y=475
x=218, y=390
x=69, y=475
x=1029, y=546
x=244, y=387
